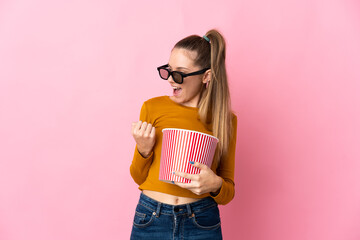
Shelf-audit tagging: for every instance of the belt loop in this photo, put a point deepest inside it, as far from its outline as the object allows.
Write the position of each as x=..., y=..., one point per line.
x=190, y=214
x=158, y=209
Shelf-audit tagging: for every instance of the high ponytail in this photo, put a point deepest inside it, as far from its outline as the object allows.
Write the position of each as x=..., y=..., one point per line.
x=214, y=105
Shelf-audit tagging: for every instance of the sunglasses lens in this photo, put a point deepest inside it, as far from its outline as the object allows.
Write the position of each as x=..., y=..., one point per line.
x=177, y=77
x=164, y=74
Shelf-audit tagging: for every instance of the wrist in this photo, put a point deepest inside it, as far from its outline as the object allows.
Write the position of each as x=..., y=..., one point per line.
x=218, y=185
x=144, y=154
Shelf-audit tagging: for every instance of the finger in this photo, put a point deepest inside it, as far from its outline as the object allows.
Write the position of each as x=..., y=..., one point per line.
x=152, y=133
x=183, y=185
x=135, y=127
x=185, y=175
x=148, y=130
x=200, y=165
x=143, y=128
x=138, y=125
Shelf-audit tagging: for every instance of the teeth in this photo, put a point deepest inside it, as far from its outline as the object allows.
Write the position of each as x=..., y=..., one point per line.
x=175, y=88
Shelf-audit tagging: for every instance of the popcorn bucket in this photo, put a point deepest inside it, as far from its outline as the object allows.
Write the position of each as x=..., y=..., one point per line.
x=179, y=147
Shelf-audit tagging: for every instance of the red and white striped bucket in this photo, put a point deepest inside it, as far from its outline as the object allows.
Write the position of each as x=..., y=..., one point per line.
x=179, y=147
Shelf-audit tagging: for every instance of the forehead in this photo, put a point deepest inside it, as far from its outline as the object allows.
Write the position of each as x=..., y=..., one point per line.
x=182, y=58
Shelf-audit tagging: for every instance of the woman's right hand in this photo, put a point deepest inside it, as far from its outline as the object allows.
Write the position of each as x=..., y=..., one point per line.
x=144, y=135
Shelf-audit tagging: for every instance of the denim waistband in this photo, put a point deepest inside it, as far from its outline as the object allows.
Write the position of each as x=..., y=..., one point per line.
x=168, y=209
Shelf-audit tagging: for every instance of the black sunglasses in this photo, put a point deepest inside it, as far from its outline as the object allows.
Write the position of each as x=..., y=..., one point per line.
x=178, y=77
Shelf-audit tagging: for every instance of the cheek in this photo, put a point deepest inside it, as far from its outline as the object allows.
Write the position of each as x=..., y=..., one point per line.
x=193, y=85
x=196, y=87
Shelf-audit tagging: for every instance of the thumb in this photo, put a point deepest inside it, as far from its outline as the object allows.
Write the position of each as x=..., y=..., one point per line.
x=135, y=125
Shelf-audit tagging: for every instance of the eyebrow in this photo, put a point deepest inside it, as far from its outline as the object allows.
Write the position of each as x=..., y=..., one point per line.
x=179, y=67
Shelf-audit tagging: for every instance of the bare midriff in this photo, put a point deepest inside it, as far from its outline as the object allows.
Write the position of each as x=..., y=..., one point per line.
x=169, y=199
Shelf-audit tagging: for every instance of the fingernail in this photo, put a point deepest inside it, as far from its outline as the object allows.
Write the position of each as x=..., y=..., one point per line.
x=173, y=172
x=191, y=162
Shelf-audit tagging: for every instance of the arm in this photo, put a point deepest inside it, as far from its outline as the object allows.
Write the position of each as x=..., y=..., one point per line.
x=140, y=167
x=226, y=171
x=144, y=135
x=219, y=185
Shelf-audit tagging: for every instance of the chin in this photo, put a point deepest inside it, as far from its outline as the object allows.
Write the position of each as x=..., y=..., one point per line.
x=178, y=99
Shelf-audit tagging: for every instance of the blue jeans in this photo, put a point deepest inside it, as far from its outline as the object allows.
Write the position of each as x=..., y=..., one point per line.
x=160, y=221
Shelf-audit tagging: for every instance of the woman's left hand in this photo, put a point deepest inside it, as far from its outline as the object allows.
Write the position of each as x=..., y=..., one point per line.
x=204, y=182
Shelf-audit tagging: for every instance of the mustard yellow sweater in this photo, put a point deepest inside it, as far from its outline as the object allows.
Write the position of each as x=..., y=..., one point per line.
x=162, y=113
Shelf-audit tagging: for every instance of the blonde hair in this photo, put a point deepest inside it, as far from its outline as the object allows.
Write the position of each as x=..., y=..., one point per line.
x=214, y=105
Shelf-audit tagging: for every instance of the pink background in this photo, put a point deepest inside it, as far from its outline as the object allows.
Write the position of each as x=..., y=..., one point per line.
x=73, y=76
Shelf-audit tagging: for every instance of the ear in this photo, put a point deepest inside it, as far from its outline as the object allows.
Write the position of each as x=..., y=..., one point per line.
x=207, y=76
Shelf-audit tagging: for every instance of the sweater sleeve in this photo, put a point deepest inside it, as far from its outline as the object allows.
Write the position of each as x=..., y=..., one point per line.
x=226, y=170
x=140, y=166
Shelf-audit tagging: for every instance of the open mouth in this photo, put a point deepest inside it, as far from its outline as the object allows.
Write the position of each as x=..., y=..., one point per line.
x=177, y=90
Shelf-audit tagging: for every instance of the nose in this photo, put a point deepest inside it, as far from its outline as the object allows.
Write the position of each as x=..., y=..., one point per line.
x=170, y=79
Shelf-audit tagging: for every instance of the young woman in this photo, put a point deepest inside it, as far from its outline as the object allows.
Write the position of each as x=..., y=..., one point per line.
x=200, y=102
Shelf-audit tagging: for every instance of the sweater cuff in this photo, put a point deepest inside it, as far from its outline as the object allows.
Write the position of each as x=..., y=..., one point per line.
x=139, y=156
x=216, y=196
x=226, y=193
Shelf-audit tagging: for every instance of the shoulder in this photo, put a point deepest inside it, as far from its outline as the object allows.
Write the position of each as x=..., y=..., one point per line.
x=156, y=101
x=151, y=108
